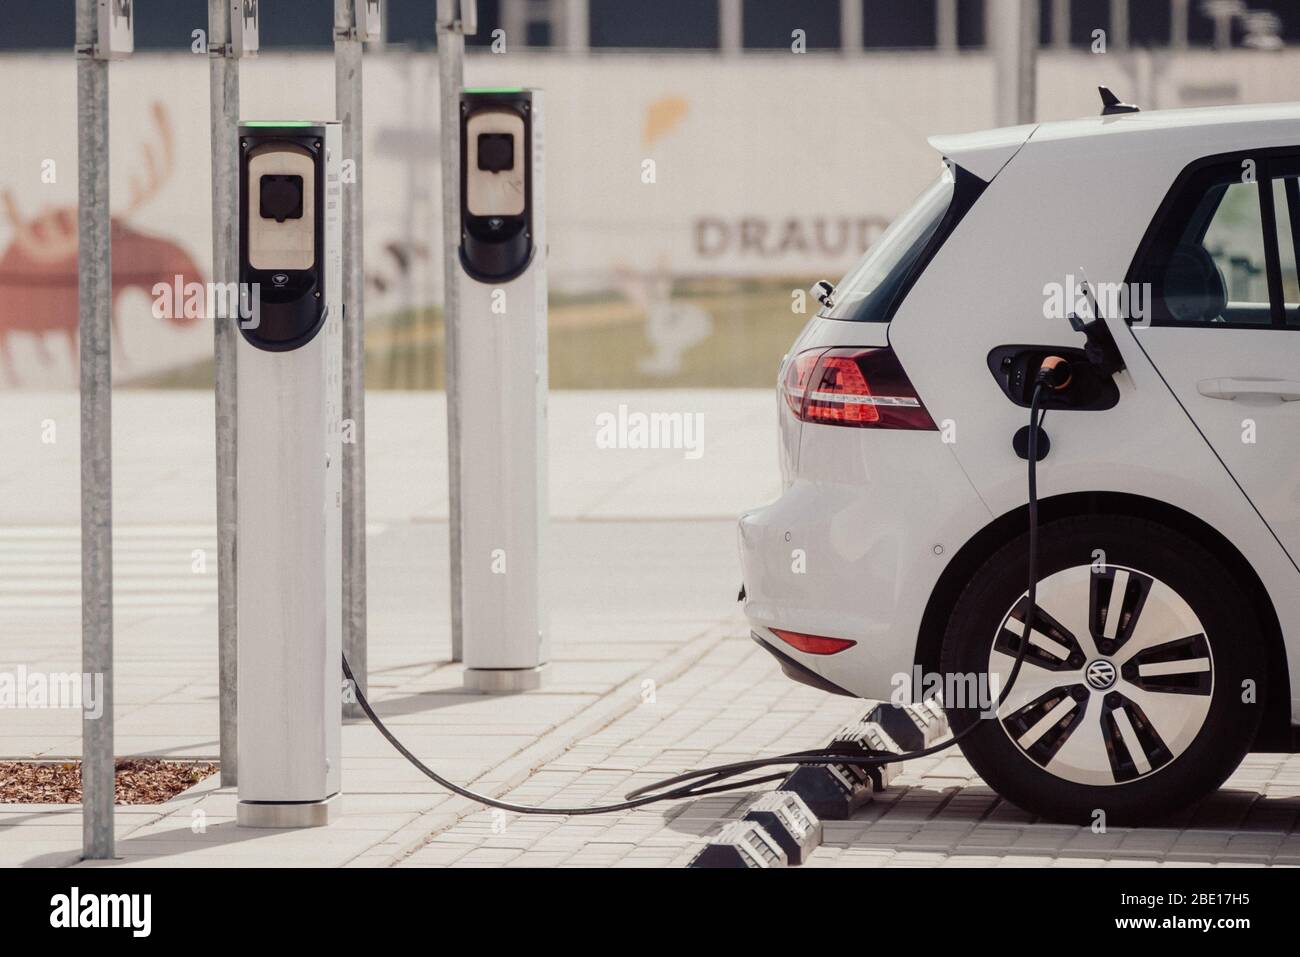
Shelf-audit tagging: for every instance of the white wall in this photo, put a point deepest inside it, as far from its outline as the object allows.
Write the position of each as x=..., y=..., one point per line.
x=769, y=164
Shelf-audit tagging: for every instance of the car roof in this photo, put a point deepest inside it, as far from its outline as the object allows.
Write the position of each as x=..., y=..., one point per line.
x=1197, y=132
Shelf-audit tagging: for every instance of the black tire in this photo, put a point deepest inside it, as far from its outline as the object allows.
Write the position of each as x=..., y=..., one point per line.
x=1235, y=646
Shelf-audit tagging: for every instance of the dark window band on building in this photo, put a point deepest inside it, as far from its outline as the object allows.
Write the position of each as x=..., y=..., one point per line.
x=677, y=24
x=873, y=25
x=768, y=24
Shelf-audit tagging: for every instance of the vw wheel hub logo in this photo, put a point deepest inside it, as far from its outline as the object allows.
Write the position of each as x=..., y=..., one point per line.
x=1100, y=674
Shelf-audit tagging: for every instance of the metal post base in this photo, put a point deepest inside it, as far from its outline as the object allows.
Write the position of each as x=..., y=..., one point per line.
x=283, y=814
x=504, y=680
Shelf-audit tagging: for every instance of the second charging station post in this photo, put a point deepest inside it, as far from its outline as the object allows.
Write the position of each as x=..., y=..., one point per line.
x=290, y=533
x=501, y=352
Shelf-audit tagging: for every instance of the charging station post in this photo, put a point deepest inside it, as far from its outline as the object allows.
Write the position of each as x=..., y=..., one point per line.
x=502, y=337
x=290, y=468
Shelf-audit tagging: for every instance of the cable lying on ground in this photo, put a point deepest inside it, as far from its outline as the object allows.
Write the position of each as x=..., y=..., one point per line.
x=716, y=779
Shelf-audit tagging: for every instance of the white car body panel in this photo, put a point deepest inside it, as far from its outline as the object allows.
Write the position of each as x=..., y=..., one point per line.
x=880, y=513
x=1232, y=364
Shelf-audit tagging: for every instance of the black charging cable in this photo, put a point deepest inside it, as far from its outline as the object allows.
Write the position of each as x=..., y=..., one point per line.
x=1050, y=377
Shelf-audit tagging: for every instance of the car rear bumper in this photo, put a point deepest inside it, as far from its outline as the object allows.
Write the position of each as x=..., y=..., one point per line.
x=857, y=560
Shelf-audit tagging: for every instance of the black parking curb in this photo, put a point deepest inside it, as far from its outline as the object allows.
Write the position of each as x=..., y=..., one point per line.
x=785, y=826
x=785, y=816
x=742, y=844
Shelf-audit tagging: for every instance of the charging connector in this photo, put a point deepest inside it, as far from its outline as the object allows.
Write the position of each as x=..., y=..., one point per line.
x=1054, y=372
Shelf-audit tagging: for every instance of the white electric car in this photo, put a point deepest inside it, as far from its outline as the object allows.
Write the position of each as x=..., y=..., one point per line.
x=1167, y=636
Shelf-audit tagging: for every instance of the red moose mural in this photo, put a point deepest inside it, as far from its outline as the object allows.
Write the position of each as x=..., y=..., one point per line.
x=38, y=269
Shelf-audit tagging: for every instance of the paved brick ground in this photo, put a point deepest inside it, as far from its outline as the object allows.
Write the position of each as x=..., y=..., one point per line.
x=937, y=813
x=732, y=704
x=943, y=815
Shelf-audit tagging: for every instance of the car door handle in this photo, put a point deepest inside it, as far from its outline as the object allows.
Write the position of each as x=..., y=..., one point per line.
x=1229, y=388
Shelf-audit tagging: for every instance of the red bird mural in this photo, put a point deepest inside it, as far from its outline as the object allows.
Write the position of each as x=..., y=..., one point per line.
x=38, y=269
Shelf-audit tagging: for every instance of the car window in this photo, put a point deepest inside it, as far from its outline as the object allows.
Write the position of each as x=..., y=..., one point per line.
x=1235, y=242
x=1223, y=249
x=865, y=293
x=873, y=289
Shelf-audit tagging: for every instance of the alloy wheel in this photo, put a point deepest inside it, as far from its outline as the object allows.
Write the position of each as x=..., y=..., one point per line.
x=1116, y=682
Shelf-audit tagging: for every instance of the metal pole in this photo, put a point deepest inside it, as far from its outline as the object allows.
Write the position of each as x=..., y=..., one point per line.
x=1061, y=24
x=1027, y=62
x=851, y=26
x=451, y=54
x=576, y=25
x=731, y=26
x=94, y=317
x=1119, y=25
x=223, y=112
x=1178, y=24
x=945, y=25
x=1013, y=40
x=382, y=42
x=347, y=96
x=514, y=21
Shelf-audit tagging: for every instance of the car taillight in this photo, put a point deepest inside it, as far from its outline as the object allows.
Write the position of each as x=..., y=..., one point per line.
x=864, y=388
x=797, y=373
x=813, y=644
